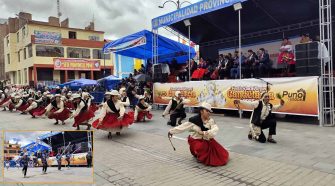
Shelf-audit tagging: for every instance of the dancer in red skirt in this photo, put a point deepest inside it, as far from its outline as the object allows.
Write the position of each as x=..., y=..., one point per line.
x=82, y=113
x=129, y=114
x=203, y=146
x=22, y=104
x=111, y=117
x=88, y=99
x=56, y=110
x=142, y=110
x=10, y=103
x=33, y=107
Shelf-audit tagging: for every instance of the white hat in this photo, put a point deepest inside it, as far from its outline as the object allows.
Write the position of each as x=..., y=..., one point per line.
x=85, y=94
x=121, y=90
x=206, y=106
x=74, y=96
x=25, y=95
x=57, y=95
x=1, y=91
x=39, y=91
x=17, y=97
x=45, y=93
x=108, y=93
x=69, y=94
x=31, y=99
x=177, y=93
x=114, y=93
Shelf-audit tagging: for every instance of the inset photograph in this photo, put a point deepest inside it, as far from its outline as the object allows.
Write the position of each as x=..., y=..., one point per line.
x=48, y=157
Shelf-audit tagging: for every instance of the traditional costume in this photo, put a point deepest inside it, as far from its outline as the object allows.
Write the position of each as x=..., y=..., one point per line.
x=43, y=102
x=82, y=114
x=176, y=110
x=33, y=107
x=262, y=118
x=203, y=146
x=142, y=110
x=57, y=110
x=112, y=116
x=129, y=114
x=22, y=104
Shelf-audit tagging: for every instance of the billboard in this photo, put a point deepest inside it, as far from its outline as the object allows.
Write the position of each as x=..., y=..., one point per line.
x=50, y=38
x=76, y=64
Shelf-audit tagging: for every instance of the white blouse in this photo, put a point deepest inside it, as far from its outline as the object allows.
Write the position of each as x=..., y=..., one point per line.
x=105, y=109
x=194, y=129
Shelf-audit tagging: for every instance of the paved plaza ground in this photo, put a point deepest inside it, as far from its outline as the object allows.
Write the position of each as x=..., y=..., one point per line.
x=142, y=155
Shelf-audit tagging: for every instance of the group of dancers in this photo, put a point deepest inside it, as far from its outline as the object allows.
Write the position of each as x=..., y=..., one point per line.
x=116, y=113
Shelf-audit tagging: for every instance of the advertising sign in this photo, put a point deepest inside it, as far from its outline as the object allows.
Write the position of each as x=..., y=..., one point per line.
x=50, y=38
x=76, y=64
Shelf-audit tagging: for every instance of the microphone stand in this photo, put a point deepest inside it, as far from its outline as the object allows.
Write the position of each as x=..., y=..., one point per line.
x=267, y=84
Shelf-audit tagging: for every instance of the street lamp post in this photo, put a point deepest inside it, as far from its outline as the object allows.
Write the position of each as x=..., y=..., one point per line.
x=178, y=5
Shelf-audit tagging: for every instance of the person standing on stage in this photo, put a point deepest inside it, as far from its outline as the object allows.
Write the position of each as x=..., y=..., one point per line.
x=44, y=159
x=56, y=110
x=82, y=114
x=203, y=146
x=176, y=109
x=25, y=161
x=67, y=158
x=59, y=160
x=89, y=159
x=262, y=118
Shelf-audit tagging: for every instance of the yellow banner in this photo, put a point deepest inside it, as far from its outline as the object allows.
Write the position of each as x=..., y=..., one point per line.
x=299, y=93
x=76, y=159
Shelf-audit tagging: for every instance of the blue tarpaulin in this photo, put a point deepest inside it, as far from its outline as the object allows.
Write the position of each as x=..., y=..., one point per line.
x=36, y=146
x=79, y=83
x=139, y=45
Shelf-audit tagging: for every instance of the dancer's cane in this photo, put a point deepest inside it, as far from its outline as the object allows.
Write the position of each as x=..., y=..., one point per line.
x=171, y=142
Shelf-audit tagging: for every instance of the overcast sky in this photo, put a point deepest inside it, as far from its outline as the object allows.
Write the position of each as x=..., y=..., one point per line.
x=117, y=18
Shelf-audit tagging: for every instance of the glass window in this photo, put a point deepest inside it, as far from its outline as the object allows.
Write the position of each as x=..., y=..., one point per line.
x=18, y=55
x=25, y=75
x=72, y=35
x=18, y=37
x=8, y=58
x=7, y=38
x=19, y=76
x=25, y=53
x=78, y=53
x=94, y=38
x=49, y=51
x=23, y=32
x=97, y=54
x=30, y=51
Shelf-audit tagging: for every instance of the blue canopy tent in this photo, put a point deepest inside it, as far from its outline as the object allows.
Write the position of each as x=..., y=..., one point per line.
x=78, y=83
x=139, y=45
x=109, y=82
x=36, y=146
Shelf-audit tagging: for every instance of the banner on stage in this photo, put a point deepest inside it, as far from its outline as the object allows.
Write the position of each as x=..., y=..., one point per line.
x=192, y=10
x=76, y=159
x=299, y=93
x=127, y=45
x=76, y=64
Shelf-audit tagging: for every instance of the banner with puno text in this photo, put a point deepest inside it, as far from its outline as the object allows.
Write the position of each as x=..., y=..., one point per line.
x=299, y=93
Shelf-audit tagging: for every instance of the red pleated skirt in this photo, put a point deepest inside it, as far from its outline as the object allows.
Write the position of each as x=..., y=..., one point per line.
x=40, y=112
x=82, y=117
x=11, y=106
x=23, y=107
x=64, y=115
x=111, y=121
x=69, y=105
x=141, y=115
x=208, y=152
x=4, y=101
x=94, y=107
x=36, y=110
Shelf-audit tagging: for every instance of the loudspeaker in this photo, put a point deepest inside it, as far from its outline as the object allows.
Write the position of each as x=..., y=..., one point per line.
x=84, y=147
x=307, y=62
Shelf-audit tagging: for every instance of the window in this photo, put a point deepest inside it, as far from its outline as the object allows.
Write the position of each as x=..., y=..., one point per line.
x=18, y=55
x=8, y=58
x=18, y=37
x=49, y=51
x=97, y=54
x=72, y=35
x=7, y=38
x=23, y=32
x=25, y=76
x=78, y=53
x=12, y=151
x=94, y=38
x=25, y=53
x=19, y=76
x=6, y=151
x=30, y=51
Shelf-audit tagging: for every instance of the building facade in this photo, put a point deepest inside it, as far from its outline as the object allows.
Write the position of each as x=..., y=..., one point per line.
x=48, y=53
x=3, y=34
x=11, y=150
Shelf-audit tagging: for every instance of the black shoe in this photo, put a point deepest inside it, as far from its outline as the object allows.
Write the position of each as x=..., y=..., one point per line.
x=88, y=127
x=33, y=117
x=250, y=135
x=179, y=121
x=78, y=128
x=118, y=133
x=109, y=135
x=271, y=140
x=56, y=123
x=169, y=123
